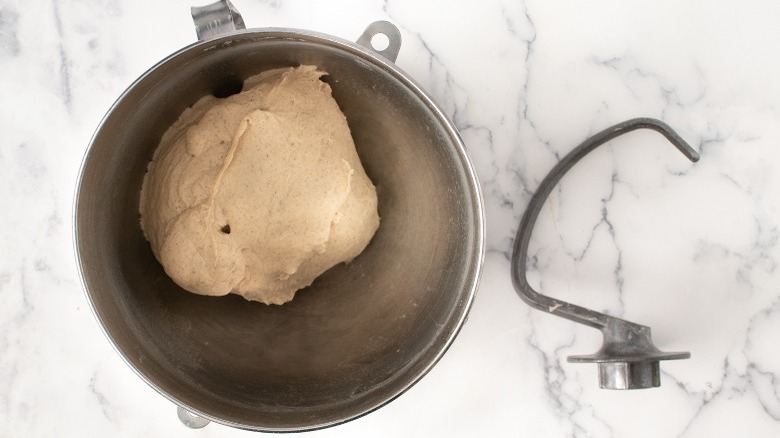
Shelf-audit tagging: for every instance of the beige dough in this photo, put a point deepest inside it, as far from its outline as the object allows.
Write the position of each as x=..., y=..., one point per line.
x=259, y=193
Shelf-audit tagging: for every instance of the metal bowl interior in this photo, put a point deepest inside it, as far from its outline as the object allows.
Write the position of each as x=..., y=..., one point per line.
x=362, y=333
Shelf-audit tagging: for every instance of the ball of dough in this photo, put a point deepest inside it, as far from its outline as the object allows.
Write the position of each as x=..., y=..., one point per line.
x=259, y=193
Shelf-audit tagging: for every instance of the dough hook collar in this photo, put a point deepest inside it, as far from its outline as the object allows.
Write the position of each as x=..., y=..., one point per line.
x=628, y=358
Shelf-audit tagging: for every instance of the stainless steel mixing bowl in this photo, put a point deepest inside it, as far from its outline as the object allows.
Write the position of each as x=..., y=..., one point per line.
x=363, y=333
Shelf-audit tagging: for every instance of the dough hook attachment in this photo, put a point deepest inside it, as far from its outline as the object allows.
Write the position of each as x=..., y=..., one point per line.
x=627, y=359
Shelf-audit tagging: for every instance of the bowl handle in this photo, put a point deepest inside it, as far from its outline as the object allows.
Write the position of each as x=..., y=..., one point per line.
x=216, y=19
x=387, y=29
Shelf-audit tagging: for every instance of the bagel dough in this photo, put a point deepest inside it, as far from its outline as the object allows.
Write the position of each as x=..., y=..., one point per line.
x=258, y=193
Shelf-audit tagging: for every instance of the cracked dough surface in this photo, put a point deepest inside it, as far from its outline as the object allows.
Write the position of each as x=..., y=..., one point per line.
x=259, y=193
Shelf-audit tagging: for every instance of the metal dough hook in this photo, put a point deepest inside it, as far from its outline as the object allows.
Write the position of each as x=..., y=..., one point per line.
x=627, y=359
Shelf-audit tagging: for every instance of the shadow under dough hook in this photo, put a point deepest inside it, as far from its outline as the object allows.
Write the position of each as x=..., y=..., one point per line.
x=628, y=359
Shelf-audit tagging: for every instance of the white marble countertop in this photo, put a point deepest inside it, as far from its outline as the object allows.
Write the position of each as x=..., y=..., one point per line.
x=635, y=230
